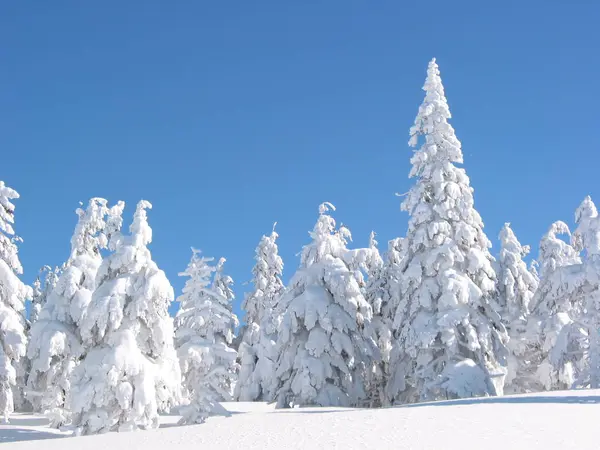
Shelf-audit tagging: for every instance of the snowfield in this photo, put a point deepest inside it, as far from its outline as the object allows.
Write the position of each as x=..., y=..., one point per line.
x=553, y=420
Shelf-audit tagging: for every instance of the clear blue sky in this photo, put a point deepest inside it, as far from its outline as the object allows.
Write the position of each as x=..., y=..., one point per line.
x=229, y=116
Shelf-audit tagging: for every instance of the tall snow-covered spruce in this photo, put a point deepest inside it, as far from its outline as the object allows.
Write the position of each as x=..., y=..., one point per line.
x=324, y=353
x=130, y=372
x=258, y=349
x=204, y=334
x=13, y=294
x=55, y=345
x=451, y=340
x=516, y=286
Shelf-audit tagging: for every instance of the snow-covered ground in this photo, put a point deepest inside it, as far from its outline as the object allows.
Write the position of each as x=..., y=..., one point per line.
x=553, y=420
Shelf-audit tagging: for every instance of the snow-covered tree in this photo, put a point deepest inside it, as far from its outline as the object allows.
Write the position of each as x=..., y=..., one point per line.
x=13, y=294
x=554, y=338
x=377, y=294
x=130, y=371
x=222, y=286
x=204, y=333
x=586, y=310
x=573, y=290
x=55, y=345
x=516, y=286
x=534, y=270
x=384, y=295
x=258, y=349
x=555, y=252
x=42, y=290
x=451, y=339
x=324, y=352
x=516, y=283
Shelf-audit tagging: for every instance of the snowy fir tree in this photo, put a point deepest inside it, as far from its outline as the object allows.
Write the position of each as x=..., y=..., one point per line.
x=130, y=371
x=555, y=252
x=13, y=294
x=42, y=290
x=258, y=349
x=324, y=352
x=554, y=339
x=55, y=345
x=585, y=302
x=377, y=294
x=383, y=294
x=516, y=287
x=451, y=339
x=204, y=333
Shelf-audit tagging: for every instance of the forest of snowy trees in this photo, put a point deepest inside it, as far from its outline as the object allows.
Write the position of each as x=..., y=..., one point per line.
x=434, y=316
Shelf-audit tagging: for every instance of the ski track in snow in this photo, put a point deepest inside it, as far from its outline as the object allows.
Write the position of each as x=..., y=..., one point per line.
x=549, y=420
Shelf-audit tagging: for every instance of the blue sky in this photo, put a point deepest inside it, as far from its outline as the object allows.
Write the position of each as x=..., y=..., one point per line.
x=229, y=116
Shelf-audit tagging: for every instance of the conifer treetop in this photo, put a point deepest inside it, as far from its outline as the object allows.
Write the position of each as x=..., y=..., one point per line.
x=586, y=235
x=88, y=235
x=510, y=241
x=554, y=252
x=8, y=248
x=432, y=121
x=141, y=232
x=266, y=279
x=516, y=283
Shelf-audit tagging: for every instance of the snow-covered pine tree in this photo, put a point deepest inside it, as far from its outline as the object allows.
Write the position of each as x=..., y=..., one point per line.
x=323, y=349
x=36, y=294
x=39, y=294
x=42, y=290
x=452, y=341
x=585, y=302
x=204, y=333
x=383, y=294
x=516, y=287
x=258, y=349
x=13, y=294
x=554, y=339
x=55, y=346
x=555, y=252
x=130, y=371
x=377, y=294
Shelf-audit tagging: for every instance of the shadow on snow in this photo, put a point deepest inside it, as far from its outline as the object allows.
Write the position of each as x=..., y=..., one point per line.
x=534, y=399
x=24, y=434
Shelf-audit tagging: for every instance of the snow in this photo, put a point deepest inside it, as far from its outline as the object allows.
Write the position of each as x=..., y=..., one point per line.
x=532, y=421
